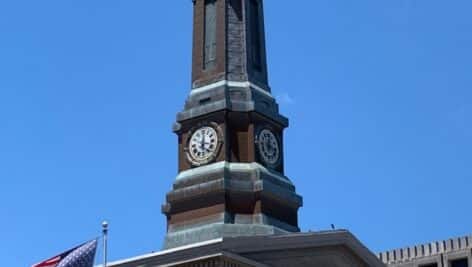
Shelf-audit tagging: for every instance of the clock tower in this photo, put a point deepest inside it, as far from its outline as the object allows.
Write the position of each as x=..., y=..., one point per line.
x=231, y=179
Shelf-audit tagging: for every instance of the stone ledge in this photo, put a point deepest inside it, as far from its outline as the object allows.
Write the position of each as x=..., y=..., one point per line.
x=237, y=96
x=214, y=231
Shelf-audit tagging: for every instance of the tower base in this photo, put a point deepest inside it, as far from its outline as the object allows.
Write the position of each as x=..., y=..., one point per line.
x=218, y=230
x=226, y=199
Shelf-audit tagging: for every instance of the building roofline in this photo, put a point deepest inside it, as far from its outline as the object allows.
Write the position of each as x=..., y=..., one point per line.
x=426, y=250
x=239, y=246
x=304, y=240
x=164, y=252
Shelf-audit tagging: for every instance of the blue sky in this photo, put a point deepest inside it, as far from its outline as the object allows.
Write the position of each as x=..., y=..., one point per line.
x=378, y=94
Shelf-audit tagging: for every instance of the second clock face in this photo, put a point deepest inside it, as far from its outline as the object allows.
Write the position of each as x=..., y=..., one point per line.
x=268, y=146
x=203, y=144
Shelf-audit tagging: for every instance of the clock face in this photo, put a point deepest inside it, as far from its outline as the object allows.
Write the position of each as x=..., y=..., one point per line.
x=268, y=146
x=203, y=144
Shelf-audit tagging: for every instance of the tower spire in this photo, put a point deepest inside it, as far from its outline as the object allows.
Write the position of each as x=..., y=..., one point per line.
x=229, y=42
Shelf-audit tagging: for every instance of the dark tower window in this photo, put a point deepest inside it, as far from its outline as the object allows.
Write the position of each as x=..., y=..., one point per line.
x=430, y=265
x=459, y=263
x=254, y=20
x=210, y=34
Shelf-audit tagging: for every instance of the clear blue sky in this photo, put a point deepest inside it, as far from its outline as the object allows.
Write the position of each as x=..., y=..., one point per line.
x=378, y=93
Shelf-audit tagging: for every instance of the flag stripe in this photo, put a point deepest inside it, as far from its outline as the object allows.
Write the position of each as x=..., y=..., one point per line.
x=49, y=263
x=80, y=256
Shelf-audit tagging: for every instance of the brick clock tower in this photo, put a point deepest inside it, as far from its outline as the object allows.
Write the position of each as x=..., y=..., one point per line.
x=231, y=203
x=231, y=178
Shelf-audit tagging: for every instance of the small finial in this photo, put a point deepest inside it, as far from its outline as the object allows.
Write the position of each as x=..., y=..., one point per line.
x=105, y=226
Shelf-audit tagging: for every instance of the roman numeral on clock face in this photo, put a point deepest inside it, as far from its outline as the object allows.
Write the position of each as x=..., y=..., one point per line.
x=268, y=147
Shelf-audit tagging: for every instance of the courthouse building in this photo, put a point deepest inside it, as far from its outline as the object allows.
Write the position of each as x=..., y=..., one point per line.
x=231, y=203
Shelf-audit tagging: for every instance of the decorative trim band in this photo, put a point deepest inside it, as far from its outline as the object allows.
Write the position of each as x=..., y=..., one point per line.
x=231, y=84
x=214, y=167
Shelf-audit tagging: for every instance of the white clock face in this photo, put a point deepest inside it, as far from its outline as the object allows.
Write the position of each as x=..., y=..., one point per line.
x=268, y=147
x=203, y=144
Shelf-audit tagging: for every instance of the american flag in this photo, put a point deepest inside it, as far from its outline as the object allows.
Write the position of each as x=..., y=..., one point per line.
x=81, y=256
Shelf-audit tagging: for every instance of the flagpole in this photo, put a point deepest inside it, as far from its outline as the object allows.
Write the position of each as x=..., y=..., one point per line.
x=105, y=242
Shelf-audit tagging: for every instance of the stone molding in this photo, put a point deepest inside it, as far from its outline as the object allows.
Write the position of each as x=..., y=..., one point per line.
x=255, y=168
x=231, y=96
x=223, y=259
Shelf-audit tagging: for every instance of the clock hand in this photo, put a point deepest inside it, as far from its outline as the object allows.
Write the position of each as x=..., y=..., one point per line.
x=202, y=142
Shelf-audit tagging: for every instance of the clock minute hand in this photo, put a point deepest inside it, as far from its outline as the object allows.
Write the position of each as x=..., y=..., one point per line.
x=202, y=142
